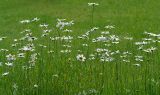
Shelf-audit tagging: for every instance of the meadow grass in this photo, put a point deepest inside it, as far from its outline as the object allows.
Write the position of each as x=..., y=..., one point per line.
x=109, y=49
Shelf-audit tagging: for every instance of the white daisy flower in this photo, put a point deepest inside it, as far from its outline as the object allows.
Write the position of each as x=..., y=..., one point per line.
x=5, y=74
x=9, y=64
x=138, y=65
x=10, y=57
x=81, y=57
x=93, y=4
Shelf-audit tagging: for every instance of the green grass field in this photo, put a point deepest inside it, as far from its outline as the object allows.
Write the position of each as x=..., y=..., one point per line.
x=113, y=50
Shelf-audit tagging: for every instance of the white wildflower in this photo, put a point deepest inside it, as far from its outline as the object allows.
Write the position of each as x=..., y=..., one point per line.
x=93, y=4
x=81, y=57
x=150, y=50
x=44, y=25
x=36, y=19
x=139, y=58
x=2, y=38
x=138, y=65
x=35, y=86
x=5, y=74
x=109, y=27
x=25, y=21
x=10, y=57
x=9, y=64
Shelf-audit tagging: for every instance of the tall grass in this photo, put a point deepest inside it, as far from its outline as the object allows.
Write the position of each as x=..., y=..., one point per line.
x=52, y=59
